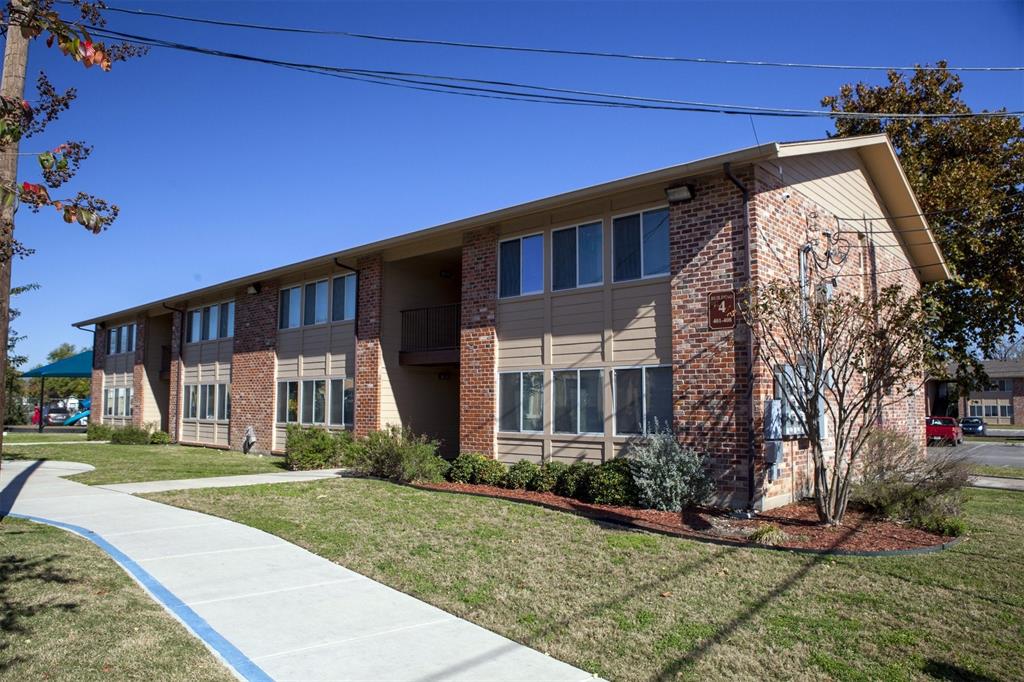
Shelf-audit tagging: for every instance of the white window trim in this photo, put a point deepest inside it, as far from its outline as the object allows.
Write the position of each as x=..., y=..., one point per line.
x=543, y=269
x=330, y=401
x=579, y=411
x=327, y=408
x=112, y=332
x=576, y=227
x=544, y=384
x=302, y=302
x=611, y=235
x=327, y=404
x=199, y=309
x=643, y=398
x=330, y=298
x=199, y=388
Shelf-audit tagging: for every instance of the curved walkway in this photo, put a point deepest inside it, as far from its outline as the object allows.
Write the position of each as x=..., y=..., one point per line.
x=270, y=609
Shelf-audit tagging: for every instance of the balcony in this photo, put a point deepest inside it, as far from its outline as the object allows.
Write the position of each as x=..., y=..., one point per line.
x=430, y=336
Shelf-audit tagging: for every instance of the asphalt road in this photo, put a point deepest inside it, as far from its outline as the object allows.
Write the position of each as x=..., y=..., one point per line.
x=997, y=454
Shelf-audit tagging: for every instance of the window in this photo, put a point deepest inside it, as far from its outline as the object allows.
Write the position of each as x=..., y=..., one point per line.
x=578, y=401
x=289, y=308
x=976, y=411
x=640, y=245
x=210, y=322
x=128, y=409
x=577, y=255
x=521, y=266
x=343, y=305
x=342, y=402
x=206, y=401
x=1005, y=411
x=195, y=325
x=521, y=401
x=991, y=410
x=191, y=409
x=314, y=401
x=121, y=339
x=316, y=303
x=227, y=320
x=288, y=401
x=223, y=402
x=108, y=403
x=643, y=399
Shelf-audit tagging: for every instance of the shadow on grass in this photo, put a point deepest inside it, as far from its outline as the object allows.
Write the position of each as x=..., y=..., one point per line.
x=941, y=670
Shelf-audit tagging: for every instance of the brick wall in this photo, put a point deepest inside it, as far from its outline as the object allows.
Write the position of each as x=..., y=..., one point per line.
x=139, y=373
x=253, y=366
x=99, y=355
x=710, y=367
x=1018, y=400
x=368, y=352
x=174, y=382
x=478, y=344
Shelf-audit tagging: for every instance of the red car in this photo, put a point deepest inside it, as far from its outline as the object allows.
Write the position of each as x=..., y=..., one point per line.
x=945, y=429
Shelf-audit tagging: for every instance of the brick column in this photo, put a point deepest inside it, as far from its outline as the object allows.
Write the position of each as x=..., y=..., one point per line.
x=368, y=352
x=99, y=355
x=139, y=372
x=254, y=366
x=710, y=367
x=478, y=350
x=1017, y=401
x=174, y=381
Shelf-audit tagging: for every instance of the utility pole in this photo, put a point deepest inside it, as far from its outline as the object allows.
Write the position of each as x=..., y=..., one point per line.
x=12, y=87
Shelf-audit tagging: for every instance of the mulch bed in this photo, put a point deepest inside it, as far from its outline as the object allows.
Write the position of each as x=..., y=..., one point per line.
x=859, y=532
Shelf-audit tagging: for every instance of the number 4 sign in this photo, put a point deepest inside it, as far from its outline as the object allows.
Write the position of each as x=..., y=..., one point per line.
x=722, y=310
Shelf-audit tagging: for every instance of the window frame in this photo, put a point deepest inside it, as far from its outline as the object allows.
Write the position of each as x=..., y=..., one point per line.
x=543, y=400
x=611, y=233
x=119, y=337
x=312, y=410
x=543, y=267
x=579, y=411
x=205, y=318
x=643, y=397
x=576, y=228
x=330, y=401
x=298, y=401
x=355, y=296
x=280, y=292
x=326, y=281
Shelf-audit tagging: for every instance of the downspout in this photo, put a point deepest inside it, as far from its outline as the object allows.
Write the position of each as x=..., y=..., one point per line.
x=751, y=441
x=176, y=368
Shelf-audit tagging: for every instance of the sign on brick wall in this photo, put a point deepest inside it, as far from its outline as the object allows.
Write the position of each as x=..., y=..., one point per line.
x=722, y=310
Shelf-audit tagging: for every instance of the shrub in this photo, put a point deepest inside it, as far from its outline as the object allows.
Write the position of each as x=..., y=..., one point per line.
x=520, y=474
x=398, y=454
x=315, y=448
x=572, y=480
x=610, y=483
x=129, y=435
x=768, y=534
x=897, y=482
x=489, y=472
x=97, y=431
x=546, y=477
x=668, y=476
x=464, y=467
x=159, y=437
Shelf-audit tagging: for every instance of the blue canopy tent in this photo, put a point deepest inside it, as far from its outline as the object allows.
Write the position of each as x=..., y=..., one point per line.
x=76, y=367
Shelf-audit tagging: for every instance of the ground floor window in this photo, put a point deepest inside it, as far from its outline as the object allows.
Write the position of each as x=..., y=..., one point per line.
x=343, y=402
x=316, y=401
x=117, y=402
x=976, y=411
x=207, y=402
x=643, y=399
x=578, y=402
x=991, y=410
x=521, y=401
x=1005, y=411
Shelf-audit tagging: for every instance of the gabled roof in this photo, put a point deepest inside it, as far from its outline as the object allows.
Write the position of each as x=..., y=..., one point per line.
x=875, y=150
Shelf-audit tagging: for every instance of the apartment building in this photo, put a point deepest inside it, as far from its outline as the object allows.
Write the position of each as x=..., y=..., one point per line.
x=557, y=329
x=1001, y=403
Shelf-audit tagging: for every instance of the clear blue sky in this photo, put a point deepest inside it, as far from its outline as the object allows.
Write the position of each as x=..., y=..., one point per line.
x=223, y=168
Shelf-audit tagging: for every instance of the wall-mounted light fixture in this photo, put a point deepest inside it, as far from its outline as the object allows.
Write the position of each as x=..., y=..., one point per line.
x=680, y=194
x=254, y=288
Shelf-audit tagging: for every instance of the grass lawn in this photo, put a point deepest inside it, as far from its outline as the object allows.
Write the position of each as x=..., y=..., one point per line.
x=994, y=470
x=36, y=437
x=635, y=606
x=70, y=613
x=129, y=463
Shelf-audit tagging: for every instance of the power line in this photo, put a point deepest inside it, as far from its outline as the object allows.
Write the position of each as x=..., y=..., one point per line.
x=544, y=50
x=931, y=213
x=886, y=272
x=447, y=84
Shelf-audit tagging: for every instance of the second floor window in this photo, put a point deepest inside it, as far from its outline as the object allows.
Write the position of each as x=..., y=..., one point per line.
x=290, y=308
x=577, y=255
x=121, y=339
x=640, y=245
x=343, y=303
x=315, y=304
x=211, y=322
x=521, y=266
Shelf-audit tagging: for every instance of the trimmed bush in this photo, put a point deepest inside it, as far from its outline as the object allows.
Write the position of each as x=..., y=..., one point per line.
x=610, y=483
x=668, y=476
x=398, y=454
x=315, y=448
x=489, y=472
x=159, y=438
x=768, y=534
x=464, y=466
x=572, y=480
x=129, y=435
x=97, y=431
x=546, y=477
x=520, y=474
x=897, y=482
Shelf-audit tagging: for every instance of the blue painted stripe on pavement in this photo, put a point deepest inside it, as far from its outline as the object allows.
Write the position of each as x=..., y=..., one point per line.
x=228, y=651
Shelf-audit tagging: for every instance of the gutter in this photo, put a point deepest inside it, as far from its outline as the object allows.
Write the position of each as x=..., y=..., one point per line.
x=751, y=442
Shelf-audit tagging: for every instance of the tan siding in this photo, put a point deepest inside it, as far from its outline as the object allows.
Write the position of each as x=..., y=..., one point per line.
x=520, y=329
x=576, y=450
x=642, y=324
x=511, y=450
x=577, y=328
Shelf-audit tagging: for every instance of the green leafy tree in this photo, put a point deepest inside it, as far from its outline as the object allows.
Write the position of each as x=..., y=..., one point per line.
x=968, y=174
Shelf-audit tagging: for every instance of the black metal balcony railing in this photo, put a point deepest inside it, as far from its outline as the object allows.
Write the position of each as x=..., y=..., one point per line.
x=435, y=328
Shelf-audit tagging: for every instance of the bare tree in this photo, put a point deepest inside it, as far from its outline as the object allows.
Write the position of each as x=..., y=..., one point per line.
x=1008, y=348
x=839, y=361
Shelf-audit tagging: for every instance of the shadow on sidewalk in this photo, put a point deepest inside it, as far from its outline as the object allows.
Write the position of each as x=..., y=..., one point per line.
x=12, y=488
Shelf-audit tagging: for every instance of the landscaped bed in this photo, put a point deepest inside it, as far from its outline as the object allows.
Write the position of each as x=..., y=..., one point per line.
x=859, y=532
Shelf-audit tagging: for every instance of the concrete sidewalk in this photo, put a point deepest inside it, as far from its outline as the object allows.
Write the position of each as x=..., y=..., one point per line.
x=145, y=487
x=270, y=609
x=997, y=482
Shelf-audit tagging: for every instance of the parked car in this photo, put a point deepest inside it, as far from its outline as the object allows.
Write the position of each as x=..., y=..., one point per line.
x=974, y=426
x=56, y=416
x=943, y=429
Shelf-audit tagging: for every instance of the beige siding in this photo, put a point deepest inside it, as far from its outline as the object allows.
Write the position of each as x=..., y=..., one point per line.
x=511, y=449
x=577, y=328
x=642, y=324
x=206, y=362
x=520, y=331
